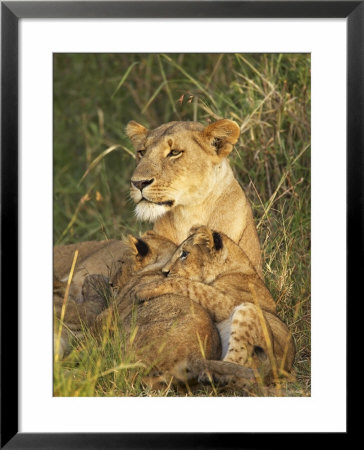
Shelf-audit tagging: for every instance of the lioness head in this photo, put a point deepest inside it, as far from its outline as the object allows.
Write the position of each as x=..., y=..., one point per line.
x=178, y=163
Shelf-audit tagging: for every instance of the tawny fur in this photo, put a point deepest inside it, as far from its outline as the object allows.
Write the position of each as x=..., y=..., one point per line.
x=99, y=259
x=183, y=178
x=210, y=269
x=78, y=312
x=174, y=335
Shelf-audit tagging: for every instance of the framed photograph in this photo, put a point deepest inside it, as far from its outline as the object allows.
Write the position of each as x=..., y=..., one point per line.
x=287, y=76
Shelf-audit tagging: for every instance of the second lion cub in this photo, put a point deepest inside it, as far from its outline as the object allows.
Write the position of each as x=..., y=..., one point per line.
x=209, y=268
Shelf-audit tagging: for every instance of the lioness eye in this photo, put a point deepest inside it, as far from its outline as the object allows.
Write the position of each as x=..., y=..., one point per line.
x=184, y=255
x=174, y=153
x=141, y=153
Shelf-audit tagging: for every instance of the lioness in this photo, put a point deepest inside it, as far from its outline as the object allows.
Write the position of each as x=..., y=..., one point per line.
x=212, y=270
x=172, y=335
x=183, y=178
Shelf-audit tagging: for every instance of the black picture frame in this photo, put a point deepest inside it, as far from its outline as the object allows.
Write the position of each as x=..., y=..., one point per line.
x=11, y=12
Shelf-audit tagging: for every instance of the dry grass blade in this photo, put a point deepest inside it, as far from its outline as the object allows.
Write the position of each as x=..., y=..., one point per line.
x=83, y=199
x=284, y=176
x=167, y=389
x=125, y=76
x=64, y=304
x=152, y=98
x=247, y=121
x=250, y=82
x=209, y=111
x=121, y=366
x=193, y=80
x=202, y=349
x=257, y=72
x=266, y=337
x=289, y=335
x=133, y=335
x=169, y=93
x=102, y=155
x=217, y=65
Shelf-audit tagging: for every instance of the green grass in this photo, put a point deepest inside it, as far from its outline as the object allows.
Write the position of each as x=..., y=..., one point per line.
x=268, y=95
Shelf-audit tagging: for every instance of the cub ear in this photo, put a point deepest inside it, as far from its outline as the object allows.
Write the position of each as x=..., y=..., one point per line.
x=222, y=135
x=217, y=240
x=140, y=248
x=202, y=236
x=194, y=229
x=207, y=238
x=136, y=133
x=150, y=233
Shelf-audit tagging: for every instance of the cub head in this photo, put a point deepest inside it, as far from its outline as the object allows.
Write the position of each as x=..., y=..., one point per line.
x=151, y=250
x=178, y=164
x=200, y=257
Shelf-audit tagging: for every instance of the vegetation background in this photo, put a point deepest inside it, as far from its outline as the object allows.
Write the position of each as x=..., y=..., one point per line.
x=268, y=95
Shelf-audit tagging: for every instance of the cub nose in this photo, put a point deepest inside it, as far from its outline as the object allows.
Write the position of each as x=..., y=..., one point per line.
x=142, y=183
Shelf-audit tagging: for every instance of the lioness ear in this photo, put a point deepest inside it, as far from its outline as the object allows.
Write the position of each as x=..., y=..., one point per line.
x=222, y=135
x=140, y=247
x=136, y=133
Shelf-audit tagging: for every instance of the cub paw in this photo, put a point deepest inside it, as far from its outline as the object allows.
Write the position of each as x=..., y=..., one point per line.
x=140, y=295
x=213, y=378
x=222, y=380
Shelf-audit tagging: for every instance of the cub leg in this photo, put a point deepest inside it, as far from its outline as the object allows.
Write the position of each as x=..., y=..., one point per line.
x=247, y=337
x=221, y=373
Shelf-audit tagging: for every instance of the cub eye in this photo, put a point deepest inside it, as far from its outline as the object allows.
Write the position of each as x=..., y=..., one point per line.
x=183, y=255
x=174, y=153
x=141, y=153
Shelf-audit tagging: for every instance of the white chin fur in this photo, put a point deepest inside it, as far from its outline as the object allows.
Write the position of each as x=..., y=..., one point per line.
x=149, y=212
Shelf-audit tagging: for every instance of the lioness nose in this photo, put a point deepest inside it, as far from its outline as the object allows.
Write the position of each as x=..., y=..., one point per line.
x=142, y=183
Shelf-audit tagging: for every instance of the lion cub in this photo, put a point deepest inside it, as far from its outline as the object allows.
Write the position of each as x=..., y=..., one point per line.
x=209, y=268
x=172, y=335
x=104, y=257
x=97, y=263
